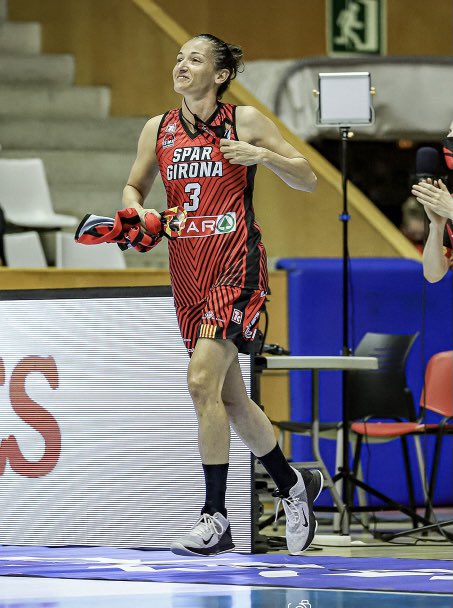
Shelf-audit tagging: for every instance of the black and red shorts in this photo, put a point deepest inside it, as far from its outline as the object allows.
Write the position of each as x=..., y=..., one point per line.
x=228, y=313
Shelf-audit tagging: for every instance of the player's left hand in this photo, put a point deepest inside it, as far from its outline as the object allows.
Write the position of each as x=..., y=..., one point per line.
x=240, y=152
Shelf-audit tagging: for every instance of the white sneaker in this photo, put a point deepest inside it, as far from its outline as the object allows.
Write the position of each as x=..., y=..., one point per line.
x=209, y=536
x=301, y=524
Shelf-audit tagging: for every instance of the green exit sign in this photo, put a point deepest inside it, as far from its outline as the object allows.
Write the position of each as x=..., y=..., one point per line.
x=356, y=27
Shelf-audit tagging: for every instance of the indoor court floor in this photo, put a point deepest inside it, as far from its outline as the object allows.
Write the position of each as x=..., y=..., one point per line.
x=407, y=573
x=58, y=593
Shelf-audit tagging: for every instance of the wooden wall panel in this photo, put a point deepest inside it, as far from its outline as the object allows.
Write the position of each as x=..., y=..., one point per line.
x=296, y=28
x=417, y=27
x=264, y=28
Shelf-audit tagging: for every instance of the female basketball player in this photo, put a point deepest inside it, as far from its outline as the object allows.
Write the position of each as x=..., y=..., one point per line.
x=207, y=153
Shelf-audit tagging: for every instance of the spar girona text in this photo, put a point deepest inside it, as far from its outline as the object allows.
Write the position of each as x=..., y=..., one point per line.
x=193, y=162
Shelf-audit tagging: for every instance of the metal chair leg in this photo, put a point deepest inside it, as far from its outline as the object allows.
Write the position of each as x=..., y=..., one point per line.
x=421, y=466
x=410, y=483
x=361, y=494
x=338, y=484
x=434, y=468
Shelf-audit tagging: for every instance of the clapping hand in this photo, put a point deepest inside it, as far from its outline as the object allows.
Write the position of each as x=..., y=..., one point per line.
x=435, y=198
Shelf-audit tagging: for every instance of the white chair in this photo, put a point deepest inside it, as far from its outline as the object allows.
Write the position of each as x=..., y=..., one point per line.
x=70, y=254
x=25, y=195
x=24, y=250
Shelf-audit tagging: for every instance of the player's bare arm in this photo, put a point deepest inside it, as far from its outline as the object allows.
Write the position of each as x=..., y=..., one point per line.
x=144, y=170
x=260, y=142
x=438, y=204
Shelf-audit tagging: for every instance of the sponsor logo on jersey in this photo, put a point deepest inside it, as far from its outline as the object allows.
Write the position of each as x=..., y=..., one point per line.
x=193, y=161
x=197, y=169
x=226, y=223
x=168, y=141
x=170, y=128
x=236, y=317
x=211, y=315
x=209, y=225
x=191, y=153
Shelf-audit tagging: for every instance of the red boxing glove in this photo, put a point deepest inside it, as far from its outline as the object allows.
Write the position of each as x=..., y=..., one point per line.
x=153, y=224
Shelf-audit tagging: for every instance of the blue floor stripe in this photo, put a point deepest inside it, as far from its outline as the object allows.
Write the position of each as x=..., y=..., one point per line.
x=277, y=570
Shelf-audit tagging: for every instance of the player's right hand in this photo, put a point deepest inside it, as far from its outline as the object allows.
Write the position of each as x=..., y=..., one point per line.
x=151, y=221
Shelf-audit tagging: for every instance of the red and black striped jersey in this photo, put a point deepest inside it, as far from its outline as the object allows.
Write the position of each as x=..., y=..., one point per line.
x=221, y=242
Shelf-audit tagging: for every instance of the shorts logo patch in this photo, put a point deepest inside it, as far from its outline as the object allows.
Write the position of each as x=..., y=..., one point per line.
x=253, y=321
x=236, y=317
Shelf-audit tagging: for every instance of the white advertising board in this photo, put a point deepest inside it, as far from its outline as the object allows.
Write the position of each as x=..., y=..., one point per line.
x=98, y=434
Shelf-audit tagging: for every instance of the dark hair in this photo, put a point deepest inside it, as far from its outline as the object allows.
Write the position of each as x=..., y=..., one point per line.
x=226, y=56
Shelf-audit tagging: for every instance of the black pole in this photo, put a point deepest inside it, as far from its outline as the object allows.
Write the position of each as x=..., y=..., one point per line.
x=344, y=218
x=2, y=234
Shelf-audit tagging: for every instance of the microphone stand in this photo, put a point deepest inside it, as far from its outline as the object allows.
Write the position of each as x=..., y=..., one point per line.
x=344, y=471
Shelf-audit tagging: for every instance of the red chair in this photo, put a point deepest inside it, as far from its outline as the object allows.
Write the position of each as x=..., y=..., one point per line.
x=437, y=396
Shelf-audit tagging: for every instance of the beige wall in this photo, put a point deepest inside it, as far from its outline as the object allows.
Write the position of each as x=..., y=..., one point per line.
x=117, y=45
x=266, y=29
x=296, y=28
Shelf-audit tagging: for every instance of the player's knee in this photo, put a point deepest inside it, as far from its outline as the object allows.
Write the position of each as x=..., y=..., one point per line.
x=229, y=399
x=201, y=386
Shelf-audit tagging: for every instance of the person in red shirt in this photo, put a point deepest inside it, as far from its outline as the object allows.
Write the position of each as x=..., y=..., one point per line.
x=207, y=153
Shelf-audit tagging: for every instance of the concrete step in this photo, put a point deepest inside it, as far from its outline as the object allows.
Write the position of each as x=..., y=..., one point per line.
x=78, y=199
x=103, y=199
x=77, y=134
x=54, y=69
x=88, y=167
x=3, y=10
x=156, y=258
x=82, y=199
x=54, y=101
x=21, y=38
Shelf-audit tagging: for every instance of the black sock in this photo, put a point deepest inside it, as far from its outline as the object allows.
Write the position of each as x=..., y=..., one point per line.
x=278, y=468
x=215, y=476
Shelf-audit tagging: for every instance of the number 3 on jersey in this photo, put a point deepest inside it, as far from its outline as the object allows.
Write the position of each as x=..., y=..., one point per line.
x=193, y=190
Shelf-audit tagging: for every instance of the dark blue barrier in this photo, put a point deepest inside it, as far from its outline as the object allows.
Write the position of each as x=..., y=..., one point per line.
x=388, y=296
